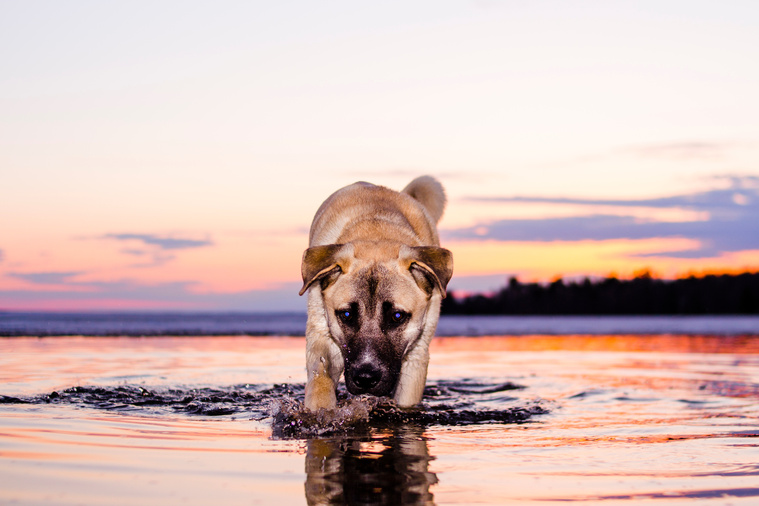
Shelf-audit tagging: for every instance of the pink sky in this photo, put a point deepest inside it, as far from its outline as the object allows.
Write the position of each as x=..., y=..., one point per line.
x=158, y=161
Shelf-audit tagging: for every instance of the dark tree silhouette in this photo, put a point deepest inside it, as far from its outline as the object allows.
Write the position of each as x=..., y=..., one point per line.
x=642, y=295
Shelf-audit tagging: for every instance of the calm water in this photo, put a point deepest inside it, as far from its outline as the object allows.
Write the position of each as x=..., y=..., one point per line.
x=294, y=324
x=623, y=419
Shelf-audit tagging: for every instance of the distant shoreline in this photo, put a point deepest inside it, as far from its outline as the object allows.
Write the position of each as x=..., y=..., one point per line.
x=727, y=294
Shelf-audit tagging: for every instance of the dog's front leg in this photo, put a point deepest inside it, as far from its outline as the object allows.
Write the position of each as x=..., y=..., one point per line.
x=323, y=358
x=413, y=376
x=324, y=369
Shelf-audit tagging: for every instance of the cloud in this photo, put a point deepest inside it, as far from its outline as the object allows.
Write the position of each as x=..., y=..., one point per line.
x=165, y=243
x=692, y=150
x=2, y=255
x=129, y=294
x=44, y=278
x=742, y=195
x=732, y=223
x=156, y=248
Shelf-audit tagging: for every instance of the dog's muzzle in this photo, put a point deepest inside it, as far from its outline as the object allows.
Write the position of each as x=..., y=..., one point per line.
x=370, y=378
x=367, y=377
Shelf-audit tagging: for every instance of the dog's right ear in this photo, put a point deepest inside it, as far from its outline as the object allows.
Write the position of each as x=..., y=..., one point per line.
x=431, y=267
x=323, y=264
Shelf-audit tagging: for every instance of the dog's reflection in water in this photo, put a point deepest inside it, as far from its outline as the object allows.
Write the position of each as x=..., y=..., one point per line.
x=383, y=468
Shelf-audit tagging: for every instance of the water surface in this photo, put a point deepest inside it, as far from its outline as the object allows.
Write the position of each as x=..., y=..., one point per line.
x=15, y=323
x=656, y=419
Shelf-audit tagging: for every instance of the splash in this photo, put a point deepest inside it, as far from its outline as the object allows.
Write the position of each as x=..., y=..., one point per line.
x=249, y=400
x=460, y=402
x=445, y=403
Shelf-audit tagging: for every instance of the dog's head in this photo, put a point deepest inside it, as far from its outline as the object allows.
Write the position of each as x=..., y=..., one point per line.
x=376, y=299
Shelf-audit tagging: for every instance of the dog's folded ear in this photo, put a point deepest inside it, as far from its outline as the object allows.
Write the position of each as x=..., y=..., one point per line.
x=323, y=264
x=431, y=267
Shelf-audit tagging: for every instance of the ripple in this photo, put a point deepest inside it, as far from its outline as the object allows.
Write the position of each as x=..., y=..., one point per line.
x=446, y=403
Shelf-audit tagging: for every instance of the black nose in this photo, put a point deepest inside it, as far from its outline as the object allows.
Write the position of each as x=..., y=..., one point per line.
x=367, y=376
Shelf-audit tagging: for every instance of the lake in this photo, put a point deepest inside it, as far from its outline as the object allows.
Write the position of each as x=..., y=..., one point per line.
x=522, y=418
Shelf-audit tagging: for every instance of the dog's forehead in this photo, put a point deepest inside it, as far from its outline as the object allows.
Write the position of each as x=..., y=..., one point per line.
x=371, y=282
x=376, y=252
x=395, y=285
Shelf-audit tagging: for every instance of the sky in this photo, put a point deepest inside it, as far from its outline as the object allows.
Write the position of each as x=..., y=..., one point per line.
x=170, y=155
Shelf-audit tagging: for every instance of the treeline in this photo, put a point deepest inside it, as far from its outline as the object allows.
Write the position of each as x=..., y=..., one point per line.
x=643, y=295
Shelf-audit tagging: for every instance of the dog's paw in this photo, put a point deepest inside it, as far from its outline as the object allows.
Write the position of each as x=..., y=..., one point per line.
x=320, y=395
x=321, y=403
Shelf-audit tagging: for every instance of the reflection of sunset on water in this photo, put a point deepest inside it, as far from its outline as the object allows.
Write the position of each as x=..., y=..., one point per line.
x=629, y=417
x=629, y=342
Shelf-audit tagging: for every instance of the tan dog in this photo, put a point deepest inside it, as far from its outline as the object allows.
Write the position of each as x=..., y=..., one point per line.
x=375, y=275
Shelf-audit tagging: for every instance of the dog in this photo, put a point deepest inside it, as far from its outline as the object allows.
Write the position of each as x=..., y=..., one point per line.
x=375, y=275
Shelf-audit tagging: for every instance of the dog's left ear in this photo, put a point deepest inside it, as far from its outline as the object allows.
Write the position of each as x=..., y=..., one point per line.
x=321, y=263
x=431, y=267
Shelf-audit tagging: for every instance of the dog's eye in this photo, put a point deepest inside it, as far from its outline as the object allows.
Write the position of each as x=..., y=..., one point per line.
x=346, y=316
x=398, y=317
x=392, y=317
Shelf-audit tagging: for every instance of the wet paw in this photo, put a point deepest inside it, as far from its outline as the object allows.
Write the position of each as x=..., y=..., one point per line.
x=320, y=395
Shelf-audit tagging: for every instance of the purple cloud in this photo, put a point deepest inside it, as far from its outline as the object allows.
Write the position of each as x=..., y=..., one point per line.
x=156, y=248
x=742, y=196
x=161, y=295
x=733, y=223
x=165, y=243
x=44, y=278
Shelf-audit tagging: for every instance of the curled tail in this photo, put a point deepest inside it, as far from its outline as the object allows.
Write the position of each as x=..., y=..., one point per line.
x=429, y=192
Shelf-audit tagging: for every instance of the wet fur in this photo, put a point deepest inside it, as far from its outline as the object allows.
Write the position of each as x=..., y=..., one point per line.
x=374, y=255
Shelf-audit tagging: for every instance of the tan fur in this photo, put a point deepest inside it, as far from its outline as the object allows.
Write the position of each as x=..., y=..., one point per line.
x=376, y=252
x=430, y=193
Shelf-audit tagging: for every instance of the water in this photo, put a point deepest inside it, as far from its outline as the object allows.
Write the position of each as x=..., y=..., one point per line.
x=538, y=419
x=462, y=402
x=294, y=324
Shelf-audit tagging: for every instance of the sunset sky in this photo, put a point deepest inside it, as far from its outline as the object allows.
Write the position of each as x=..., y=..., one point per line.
x=171, y=155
